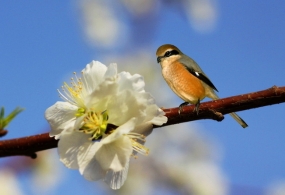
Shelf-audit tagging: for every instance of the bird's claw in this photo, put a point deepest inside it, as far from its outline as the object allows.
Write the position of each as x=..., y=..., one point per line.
x=181, y=107
x=197, y=105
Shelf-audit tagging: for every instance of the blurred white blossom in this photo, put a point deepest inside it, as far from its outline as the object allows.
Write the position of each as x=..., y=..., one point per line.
x=102, y=27
x=138, y=7
x=202, y=14
x=47, y=175
x=276, y=188
x=8, y=183
x=129, y=24
x=182, y=162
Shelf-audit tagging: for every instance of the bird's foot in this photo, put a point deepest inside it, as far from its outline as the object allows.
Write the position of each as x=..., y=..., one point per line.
x=197, y=105
x=181, y=107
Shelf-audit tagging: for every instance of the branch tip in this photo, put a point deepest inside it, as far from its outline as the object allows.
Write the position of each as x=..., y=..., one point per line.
x=216, y=115
x=33, y=155
x=3, y=132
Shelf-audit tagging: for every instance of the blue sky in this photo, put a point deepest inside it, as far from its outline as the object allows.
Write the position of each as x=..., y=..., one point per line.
x=42, y=43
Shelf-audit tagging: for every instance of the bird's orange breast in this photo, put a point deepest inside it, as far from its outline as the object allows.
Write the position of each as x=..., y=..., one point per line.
x=183, y=83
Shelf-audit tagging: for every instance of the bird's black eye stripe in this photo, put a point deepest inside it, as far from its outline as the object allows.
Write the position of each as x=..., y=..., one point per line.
x=170, y=53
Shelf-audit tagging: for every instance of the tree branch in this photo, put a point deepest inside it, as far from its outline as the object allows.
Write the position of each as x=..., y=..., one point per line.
x=28, y=146
x=214, y=109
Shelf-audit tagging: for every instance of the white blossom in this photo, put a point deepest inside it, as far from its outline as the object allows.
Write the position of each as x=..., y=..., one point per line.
x=102, y=122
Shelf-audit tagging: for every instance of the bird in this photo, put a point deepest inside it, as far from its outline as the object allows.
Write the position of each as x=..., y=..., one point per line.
x=187, y=79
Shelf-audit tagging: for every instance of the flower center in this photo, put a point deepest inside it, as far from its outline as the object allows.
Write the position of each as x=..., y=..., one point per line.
x=95, y=124
x=137, y=140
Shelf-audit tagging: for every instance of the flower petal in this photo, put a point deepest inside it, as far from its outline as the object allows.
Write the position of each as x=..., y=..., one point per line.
x=159, y=120
x=61, y=116
x=78, y=122
x=134, y=82
x=120, y=131
x=155, y=115
x=144, y=129
x=125, y=105
x=93, y=75
x=111, y=153
x=89, y=166
x=99, y=98
x=92, y=170
x=116, y=179
x=152, y=111
x=111, y=71
x=114, y=155
x=72, y=148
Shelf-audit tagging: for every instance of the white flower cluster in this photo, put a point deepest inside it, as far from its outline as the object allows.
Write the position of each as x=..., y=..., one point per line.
x=103, y=122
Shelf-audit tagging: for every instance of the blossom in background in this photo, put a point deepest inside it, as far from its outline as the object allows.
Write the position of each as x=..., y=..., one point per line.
x=102, y=122
x=9, y=183
x=276, y=188
x=127, y=24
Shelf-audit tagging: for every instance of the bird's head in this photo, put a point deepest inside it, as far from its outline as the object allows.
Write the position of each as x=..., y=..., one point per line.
x=168, y=53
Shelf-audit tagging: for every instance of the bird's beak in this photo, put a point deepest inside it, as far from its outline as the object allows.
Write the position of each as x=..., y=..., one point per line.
x=159, y=59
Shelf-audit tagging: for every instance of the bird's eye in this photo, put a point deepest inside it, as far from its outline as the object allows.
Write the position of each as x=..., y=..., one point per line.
x=167, y=54
x=170, y=53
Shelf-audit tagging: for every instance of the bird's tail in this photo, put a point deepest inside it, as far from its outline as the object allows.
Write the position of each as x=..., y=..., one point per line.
x=214, y=96
x=238, y=119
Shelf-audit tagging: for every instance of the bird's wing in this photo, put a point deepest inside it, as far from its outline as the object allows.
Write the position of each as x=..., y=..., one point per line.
x=195, y=70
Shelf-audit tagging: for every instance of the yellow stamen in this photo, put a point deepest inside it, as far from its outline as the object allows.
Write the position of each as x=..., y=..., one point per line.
x=136, y=140
x=80, y=112
x=95, y=124
x=73, y=93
